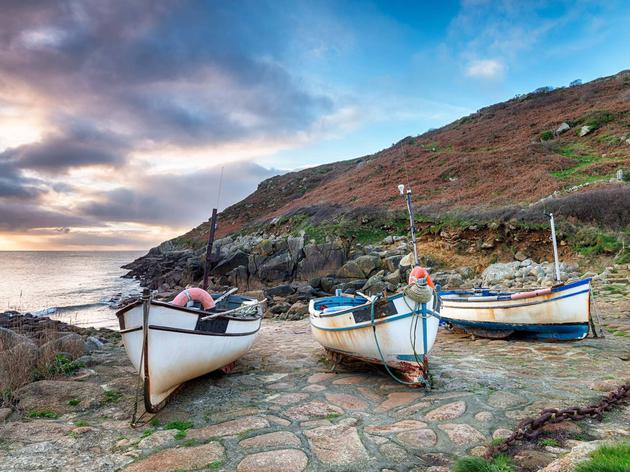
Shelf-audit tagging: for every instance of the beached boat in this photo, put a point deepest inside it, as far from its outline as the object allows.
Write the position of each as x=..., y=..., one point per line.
x=169, y=344
x=561, y=312
x=394, y=331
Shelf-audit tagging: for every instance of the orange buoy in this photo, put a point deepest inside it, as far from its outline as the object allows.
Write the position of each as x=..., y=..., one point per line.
x=420, y=273
x=194, y=294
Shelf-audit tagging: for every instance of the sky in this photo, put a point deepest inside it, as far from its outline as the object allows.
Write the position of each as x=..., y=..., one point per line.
x=117, y=118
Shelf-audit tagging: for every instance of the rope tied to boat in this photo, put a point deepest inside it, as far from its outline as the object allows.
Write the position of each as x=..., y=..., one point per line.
x=420, y=311
x=419, y=291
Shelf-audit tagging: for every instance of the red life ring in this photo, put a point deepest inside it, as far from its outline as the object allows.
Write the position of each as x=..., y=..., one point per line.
x=420, y=273
x=195, y=294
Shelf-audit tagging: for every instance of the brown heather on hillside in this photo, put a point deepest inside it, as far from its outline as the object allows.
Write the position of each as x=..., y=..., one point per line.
x=504, y=155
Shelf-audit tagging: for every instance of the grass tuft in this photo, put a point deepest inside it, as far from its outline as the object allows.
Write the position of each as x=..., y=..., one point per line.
x=179, y=425
x=500, y=463
x=74, y=402
x=609, y=458
x=548, y=442
x=43, y=414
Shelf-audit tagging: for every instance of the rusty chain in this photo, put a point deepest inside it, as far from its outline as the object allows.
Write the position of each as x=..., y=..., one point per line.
x=531, y=428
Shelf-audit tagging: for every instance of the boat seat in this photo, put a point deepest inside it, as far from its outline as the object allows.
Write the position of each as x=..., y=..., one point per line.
x=334, y=309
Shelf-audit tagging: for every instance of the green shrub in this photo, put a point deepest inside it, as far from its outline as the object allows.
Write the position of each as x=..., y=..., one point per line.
x=590, y=241
x=597, y=119
x=112, y=396
x=610, y=458
x=546, y=135
x=74, y=402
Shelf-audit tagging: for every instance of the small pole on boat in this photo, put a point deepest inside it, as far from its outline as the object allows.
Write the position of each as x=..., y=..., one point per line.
x=555, y=245
x=412, y=222
x=213, y=228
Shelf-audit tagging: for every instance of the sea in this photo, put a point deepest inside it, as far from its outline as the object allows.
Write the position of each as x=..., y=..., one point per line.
x=82, y=288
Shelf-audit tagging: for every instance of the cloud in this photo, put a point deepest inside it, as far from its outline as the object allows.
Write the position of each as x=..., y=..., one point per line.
x=176, y=200
x=23, y=216
x=490, y=69
x=71, y=149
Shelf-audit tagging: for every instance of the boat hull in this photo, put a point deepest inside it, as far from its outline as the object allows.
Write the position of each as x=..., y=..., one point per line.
x=561, y=312
x=176, y=351
x=350, y=332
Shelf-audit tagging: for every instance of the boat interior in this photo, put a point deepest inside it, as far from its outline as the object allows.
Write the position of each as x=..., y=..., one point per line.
x=338, y=303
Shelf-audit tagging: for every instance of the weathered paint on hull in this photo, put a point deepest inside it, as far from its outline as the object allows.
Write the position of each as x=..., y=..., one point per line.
x=176, y=357
x=562, y=314
x=342, y=334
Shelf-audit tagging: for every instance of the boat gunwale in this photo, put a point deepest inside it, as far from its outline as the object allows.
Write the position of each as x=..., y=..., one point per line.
x=481, y=298
x=508, y=326
x=136, y=303
x=319, y=313
x=445, y=302
x=369, y=324
x=202, y=333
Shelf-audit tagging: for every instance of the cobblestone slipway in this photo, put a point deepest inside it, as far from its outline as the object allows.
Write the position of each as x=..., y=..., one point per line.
x=283, y=410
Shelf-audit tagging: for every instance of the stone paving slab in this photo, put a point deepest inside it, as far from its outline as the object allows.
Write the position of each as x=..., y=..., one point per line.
x=282, y=409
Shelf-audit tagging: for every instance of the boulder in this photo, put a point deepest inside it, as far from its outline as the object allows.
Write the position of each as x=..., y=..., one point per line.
x=54, y=395
x=297, y=311
x=499, y=272
x=263, y=248
x=70, y=343
x=562, y=128
x=93, y=344
x=520, y=256
x=350, y=270
x=584, y=130
x=279, y=267
x=376, y=284
x=231, y=262
x=280, y=290
x=391, y=263
x=295, y=247
x=368, y=264
x=320, y=260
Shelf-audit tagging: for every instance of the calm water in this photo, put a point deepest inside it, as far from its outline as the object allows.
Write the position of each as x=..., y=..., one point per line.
x=76, y=287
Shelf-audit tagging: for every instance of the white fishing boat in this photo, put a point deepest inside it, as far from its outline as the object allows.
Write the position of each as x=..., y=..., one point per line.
x=170, y=344
x=394, y=331
x=397, y=331
x=561, y=312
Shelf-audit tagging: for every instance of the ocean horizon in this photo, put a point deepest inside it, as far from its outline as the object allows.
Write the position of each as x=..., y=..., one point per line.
x=77, y=287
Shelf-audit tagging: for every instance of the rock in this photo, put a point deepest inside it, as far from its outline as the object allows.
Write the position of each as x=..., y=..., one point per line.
x=393, y=452
x=279, y=438
x=497, y=273
x=287, y=398
x=376, y=284
x=520, y=256
x=279, y=267
x=350, y=270
x=484, y=416
x=346, y=401
x=313, y=409
x=283, y=460
x=9, y=339
x=320, y=260
x=398, y=427
x=263, y=248
x=393, y=278
x=562, y=128
x=54, y=395
x=420, y=439
x=501, y=433
x=158, y=439
x=447, y=412
x=337, y=445
x=297, y=311
x=534, y=459
x=229, y=428
x=93, y=344
x=4, y=414
x=368, y=264
x=392, y=263
x=238, y=258
x=407, y=261
x=455, y=281
x=584, y=130
x=71, y=343
x=174, y=459
x=462, y=434
x=396, y=399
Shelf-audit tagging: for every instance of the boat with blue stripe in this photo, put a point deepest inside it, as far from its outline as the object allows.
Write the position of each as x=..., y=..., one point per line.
x=560, y=312
x=391, y=330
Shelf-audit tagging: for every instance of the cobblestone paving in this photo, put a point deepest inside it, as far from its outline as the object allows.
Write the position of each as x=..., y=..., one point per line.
x=284, y=410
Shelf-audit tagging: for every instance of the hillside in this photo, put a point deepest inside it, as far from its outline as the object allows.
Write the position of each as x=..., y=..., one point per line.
x=505, y=154
x=482, y=186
